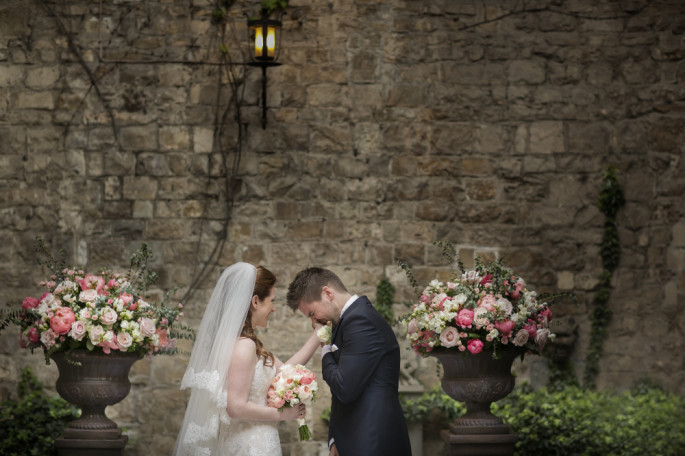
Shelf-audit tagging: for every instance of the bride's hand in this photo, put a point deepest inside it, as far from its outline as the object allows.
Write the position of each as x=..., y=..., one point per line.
x=293, y=413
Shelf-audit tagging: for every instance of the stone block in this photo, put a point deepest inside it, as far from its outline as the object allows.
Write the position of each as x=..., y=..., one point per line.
x=203, y=139
x=140, y=188
x=142, y=209
x=10, y=75
x=42, y=77
x=174, y=138
x=139, y=137
x=112, y=188
x=35, y=100
x=476, y=166
x=403, y=166
x=481, y=189
x=325, y=95
x=166, y=229
x=437, y=166
x=546, y=137
x=364, y=67
x=527, y=71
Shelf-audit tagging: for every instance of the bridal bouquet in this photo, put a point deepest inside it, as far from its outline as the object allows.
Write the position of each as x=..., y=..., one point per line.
x=95, y=311
x=484, y=309
x=292, y=386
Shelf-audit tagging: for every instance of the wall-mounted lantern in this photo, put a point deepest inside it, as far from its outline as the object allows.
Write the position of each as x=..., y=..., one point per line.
x=265, y=45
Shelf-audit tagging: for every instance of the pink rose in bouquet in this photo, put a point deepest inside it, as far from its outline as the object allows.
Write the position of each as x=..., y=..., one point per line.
x=292, y=386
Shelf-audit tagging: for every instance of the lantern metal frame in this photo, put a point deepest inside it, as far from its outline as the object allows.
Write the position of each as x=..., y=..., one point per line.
x=264, y=23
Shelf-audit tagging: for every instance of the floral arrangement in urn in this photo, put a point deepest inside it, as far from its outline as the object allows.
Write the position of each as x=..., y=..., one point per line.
x=101, y=311
x=486, y=309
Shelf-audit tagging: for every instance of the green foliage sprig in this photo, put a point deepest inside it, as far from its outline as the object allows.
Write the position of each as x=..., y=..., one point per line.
x=410, y=275
x=385, y=297
x=30, y=425
x=611, y=199
x=433, y=401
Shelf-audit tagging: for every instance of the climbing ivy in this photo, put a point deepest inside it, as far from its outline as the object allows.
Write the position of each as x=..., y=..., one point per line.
x=610, y=201
x=385, y=296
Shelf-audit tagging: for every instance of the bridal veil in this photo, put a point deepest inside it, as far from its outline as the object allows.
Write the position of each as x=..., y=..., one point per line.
x=221, y=326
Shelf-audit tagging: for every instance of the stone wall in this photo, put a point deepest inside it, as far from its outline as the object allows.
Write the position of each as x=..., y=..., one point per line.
x=390, y=125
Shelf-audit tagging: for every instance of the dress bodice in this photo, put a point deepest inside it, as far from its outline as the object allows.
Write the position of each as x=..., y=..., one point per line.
x=253, y=438
x=263, y=375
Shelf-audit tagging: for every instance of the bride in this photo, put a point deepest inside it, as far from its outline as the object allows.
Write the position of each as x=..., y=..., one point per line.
x=229, y=372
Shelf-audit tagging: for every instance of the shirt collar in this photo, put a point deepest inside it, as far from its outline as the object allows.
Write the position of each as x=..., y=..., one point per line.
x=348, y=304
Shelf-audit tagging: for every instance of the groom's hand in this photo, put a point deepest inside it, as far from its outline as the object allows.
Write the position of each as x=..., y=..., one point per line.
x=333, y=450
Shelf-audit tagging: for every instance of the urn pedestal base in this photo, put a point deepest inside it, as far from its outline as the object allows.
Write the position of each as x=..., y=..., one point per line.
x=478, y=380
x=478, y=444
x=92, y=381
x=91, y=447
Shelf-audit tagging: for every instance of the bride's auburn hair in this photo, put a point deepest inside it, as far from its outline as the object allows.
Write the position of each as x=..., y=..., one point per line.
x=263, y=285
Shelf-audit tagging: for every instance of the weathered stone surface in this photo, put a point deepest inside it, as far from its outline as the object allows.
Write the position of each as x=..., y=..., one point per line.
x=388, y=128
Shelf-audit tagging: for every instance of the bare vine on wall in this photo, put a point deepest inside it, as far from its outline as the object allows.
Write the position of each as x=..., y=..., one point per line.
x=230, y=80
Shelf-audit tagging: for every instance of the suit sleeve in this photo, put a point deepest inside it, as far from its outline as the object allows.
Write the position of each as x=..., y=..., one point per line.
x=362, y=350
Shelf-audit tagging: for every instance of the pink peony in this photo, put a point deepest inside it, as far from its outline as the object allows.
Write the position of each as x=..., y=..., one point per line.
x=62, y=321
x=29, y=303
x=475, y=346
x=504, y=327
x=288, y=395
x=449, y=337
x=34, y=335
x=92, y=282
x=465, y=318
x=531, y=327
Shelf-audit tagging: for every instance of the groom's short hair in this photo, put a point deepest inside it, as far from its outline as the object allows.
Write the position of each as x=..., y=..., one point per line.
x=307, y=285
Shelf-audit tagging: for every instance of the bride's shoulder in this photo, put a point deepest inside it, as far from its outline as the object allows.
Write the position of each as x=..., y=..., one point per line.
x=245, y=343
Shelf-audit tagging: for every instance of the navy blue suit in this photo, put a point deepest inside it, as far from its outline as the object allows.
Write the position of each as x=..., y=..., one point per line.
x=363, y=375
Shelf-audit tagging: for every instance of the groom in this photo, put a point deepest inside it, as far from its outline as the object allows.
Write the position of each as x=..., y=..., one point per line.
x=361, y=366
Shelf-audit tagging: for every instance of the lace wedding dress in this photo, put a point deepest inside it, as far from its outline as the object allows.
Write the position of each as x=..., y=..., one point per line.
x=253, y=438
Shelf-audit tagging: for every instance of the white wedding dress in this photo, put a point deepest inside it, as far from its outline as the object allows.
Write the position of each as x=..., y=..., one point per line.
x=253, y=438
